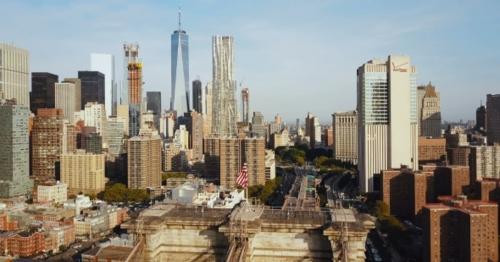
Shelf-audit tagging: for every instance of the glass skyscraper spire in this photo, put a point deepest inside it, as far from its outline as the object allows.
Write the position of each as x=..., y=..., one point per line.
x=179, y=100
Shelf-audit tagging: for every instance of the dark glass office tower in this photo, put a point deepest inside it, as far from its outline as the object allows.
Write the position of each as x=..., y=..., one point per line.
x=42, y=90
x=92, y=87
x=197, y=96
x=179, y=100
x=154, y=104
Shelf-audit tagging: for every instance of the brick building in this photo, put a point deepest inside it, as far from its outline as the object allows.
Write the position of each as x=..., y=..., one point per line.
x=458, y=155
x=431, y=150
x=451, y=180
x=460, y=230
x=23, y=244
x=406, y=192
x=46, y=143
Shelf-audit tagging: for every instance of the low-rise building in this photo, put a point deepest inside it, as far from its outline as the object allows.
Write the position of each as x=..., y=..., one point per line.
x=56, y=193
x=23, y=244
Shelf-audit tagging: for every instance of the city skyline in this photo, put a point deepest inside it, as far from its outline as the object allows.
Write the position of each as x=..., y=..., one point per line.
x=443, y=54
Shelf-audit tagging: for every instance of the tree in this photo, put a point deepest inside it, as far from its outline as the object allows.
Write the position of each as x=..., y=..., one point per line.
x=62, y=247
x=138, y=195
x=115, y=193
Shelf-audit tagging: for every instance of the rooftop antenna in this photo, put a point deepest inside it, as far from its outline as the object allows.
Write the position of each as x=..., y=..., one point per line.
x=179, y=16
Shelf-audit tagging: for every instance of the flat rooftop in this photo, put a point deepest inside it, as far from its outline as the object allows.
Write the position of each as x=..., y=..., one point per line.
x=114, y=253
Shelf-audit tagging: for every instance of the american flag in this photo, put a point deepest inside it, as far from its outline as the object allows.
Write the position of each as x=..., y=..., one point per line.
x=242, y=179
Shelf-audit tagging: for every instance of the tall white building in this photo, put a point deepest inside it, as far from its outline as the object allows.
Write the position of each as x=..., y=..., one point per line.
x=207, y=111
x=224, y=111
x=95, y=115
x=14, y=74
x=105, y=63
x=68, y=98
x=387, y=117
x=167, y=124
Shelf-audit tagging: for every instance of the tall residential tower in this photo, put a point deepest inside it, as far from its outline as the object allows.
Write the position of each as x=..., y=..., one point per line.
x=134, y=87
x=224, y=111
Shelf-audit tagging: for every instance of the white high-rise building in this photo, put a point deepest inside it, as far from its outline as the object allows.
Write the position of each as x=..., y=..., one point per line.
x=105, y=63
x=207, y=110
x=14, y=74
x=224, y=111
x=68, y=98
x=95, y=115
x=387, y=117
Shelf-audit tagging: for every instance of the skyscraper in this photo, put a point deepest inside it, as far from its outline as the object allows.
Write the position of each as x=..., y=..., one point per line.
x=245, y=100
x=429, y=111
x=345, y=130
x=179, y=69
x=131, y=54
x=105, y=63
x=387, y=117
x=493, y=119
x=195, y=128
x=144, y=161
x=313, y=130
x=225, y=156
x=95, y=116
x=46, y=143
x=92, y=83
x=42, y=90
x=14, y=150
x=68, y=98
x=258, y=125
x=134, y=84
x=112, y=135
x=207, y=111
x=83, y=172
x=154, y=104
x=197, y=96
x=481, y=118
x=224, y=112
x=14, y=74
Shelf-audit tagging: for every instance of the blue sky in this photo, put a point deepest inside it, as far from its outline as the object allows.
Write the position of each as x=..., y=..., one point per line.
x=295, y=56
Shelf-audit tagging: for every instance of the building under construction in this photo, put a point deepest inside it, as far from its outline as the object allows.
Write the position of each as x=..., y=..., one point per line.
x=133, y=71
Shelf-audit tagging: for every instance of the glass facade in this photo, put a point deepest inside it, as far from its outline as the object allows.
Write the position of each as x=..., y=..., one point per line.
x=179, y=72
x=374, y=98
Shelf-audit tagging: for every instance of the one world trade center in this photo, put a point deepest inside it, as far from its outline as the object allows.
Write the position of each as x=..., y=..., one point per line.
x=179, y=100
